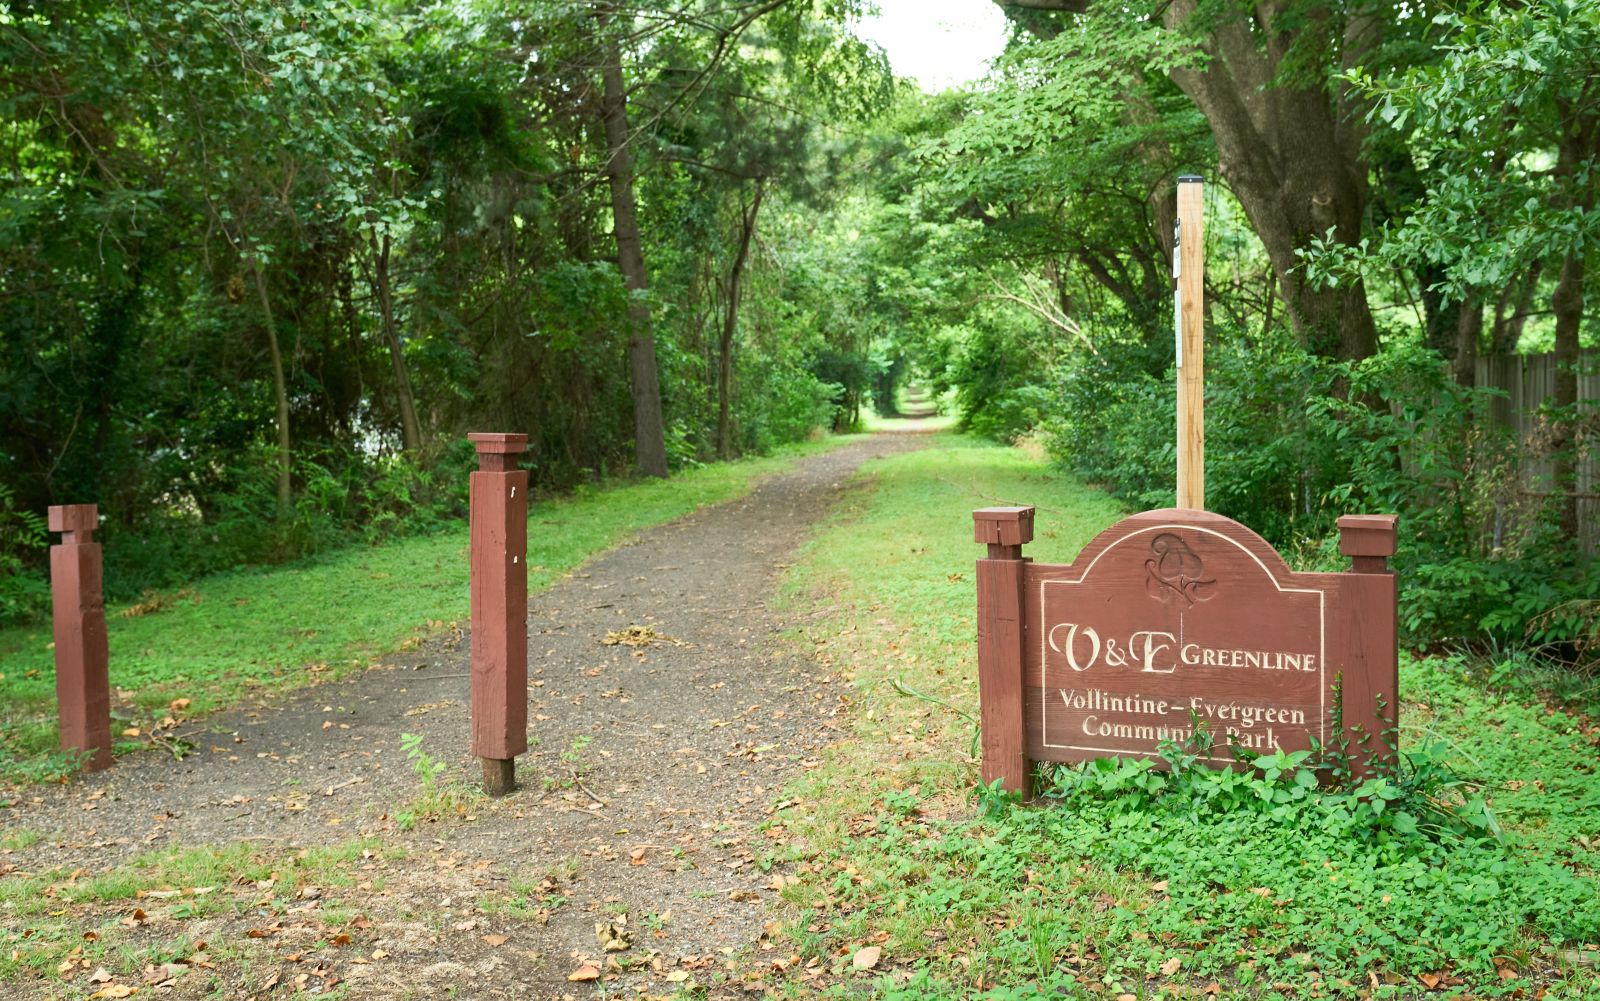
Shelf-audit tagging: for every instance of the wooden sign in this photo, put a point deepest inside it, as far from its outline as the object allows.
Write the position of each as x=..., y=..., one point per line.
x=1174, y=621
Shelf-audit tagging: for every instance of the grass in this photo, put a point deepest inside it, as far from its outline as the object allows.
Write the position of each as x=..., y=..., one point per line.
x=54, y=922
x=248, y=632
x=1142, y=884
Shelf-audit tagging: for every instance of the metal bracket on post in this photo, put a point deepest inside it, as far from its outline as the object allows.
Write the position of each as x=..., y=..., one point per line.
x=499, y=548
x=83, y=684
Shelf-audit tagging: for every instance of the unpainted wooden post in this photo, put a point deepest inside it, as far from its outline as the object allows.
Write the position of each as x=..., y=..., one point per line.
x=499, y=545
x=1000, y=630
x=1189, y=270
x=1371, y=680
x=83, y=684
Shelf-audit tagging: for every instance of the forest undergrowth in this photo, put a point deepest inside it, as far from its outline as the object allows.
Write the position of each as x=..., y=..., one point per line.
x=1470, y=871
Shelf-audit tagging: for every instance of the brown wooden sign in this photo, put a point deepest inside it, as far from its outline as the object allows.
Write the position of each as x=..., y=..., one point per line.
x=1175, y=620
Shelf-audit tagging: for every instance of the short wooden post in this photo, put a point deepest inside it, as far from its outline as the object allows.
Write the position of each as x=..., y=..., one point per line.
x=83, y=683
x=499, y=544
x=1000, y=627
x=1189, y=267
x=1371, y=681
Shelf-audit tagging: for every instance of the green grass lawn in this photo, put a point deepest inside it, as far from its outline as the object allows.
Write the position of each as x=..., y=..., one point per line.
x=251, y=631
x=1130, y=883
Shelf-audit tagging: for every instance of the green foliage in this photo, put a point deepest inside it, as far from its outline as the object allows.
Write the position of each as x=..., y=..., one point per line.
x=22, y=535
x=1476, y=849
x=254, y=630
x=1292, y=442
x=364, y=209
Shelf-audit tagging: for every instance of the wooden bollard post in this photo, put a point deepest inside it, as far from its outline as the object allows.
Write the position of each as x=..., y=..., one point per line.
x=499, y=543
x=1371, y=690
x=83, y=683
x=1000, y=608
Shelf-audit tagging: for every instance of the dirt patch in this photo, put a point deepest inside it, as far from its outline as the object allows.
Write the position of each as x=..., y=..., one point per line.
x=666, y=714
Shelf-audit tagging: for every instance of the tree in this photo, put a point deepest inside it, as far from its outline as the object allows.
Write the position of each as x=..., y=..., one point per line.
x=1289, y=134
x=650, y=449
x=1509, y=121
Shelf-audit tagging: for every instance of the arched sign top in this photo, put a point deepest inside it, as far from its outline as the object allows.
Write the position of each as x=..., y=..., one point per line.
x=1175, y=559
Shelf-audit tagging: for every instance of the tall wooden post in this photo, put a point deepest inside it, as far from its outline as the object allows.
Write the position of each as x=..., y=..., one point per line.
x=1370, y=689
x=83, y=684
x=1188, y=272
x=499, y=544
x=1000, y=627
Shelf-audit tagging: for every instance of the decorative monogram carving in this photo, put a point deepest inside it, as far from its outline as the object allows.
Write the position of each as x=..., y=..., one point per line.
x=1175, y=570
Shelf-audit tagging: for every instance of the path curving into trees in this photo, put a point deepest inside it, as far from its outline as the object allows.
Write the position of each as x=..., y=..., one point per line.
x=667, y=712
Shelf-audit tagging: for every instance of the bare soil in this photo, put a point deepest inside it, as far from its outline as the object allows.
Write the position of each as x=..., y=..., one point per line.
x=655, y=759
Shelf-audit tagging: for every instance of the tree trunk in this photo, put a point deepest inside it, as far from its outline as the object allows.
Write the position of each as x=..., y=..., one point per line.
x=1291, y=154
x=410, y=427
x=1580, y=135
x=1469, y=330
x=1567, y=303
x=280, y=387
x=650, y=448
x=1517, y=297
x=730, y=323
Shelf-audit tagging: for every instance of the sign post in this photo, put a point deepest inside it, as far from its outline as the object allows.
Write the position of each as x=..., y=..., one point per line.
x=499, y=547
x=1188, y=273
x=83, y=684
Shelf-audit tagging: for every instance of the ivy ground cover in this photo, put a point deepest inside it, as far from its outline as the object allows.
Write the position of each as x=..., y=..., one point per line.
x=1469, y=873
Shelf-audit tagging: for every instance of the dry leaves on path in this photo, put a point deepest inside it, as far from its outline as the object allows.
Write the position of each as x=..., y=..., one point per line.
x=639, y=636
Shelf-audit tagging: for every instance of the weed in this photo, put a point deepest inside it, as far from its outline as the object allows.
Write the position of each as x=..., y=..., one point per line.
x=437, y=799
x=227, y=639
x=1478, y=844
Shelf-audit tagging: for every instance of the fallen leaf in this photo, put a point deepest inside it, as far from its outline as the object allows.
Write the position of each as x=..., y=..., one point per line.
x=1429, y=980
x=100, y=976
x=613, y=936
x=497, y=940
x=115, y=991
x=587, y=970
x=1160, y=887
x=866, y=959
x=1171, y=966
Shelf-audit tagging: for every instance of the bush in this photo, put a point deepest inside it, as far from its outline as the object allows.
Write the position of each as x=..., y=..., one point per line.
x=1294, y=441
x=24, y=593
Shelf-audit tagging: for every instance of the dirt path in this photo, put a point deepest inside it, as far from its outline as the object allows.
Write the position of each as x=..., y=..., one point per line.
x=652, y=769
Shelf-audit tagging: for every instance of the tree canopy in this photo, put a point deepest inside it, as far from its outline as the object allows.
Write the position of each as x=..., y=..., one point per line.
x=263, y=262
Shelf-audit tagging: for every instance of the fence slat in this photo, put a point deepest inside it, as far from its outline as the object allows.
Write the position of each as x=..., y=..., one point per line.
x=1528, y=382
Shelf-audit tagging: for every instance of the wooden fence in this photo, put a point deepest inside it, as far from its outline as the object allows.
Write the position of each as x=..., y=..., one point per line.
x=1528, y=381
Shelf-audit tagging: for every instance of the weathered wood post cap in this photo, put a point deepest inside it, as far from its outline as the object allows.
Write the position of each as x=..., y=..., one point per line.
x=74, y=518
x=1003, y=526
x=1190, y=179
x=497, y=451
x=1367, y=534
